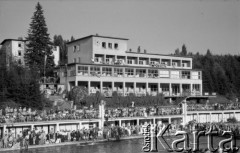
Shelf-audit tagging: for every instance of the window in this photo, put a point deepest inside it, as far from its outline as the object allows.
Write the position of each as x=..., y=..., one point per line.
x=165, y=62
x=94, y=70
x=109, y=60
x=82, y=70
x=106, y=71
x=140, y=62
x=153, y=88
x=74, y=60
x=118, y=72
x=104, y=44
x=98, y=59
x=76, y=48
x=196, y=75
x=196, y=87
x=129, y=72
x=152, y=62
x=116, y=46
x=164, y=74
x=79, y=59
x=164, y=87
x=110, y=45
x=152, y=73
x=130, y=61
x=175, y=74
x=19, y=53
x=20, y=45
x=140, y=73
x=174, y=64
x=186, y=75
x=186, y=63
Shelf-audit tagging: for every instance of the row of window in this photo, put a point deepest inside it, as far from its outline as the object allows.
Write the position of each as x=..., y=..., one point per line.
x=129, y=72
x=109, y=45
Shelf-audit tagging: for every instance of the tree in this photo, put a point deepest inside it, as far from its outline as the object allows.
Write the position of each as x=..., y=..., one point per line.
x=232, y=120
x=39, y=47
x=184, y=50
x=139, y=49
x=208, y=53
x=177, y=52
x=78, y=95
x=22, y=87
x=72, y=38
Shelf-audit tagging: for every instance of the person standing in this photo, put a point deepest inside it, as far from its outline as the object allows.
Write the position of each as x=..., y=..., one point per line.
x=26, y=144
x=5, y=141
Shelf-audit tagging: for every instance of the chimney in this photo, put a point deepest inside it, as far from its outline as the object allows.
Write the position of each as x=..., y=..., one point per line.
x=145, y=51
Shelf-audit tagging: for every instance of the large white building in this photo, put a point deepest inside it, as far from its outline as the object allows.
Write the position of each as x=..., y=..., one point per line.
x=104, y=64
x=14, y=49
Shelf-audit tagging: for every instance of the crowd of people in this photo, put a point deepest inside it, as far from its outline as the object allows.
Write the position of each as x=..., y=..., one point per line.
x=40, y=137
x=11, y=115
x=219, y=127
x=212, y=107
x=143, y=111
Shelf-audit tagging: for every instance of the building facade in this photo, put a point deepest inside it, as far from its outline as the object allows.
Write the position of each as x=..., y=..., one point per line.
x=104, y=64
x=14, y=50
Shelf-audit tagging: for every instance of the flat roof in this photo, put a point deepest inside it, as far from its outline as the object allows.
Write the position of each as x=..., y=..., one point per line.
x=5, y=40
x=96, y=36
x=130, y=66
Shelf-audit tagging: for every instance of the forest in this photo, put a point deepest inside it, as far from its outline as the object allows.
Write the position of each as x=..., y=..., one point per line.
x=220, y=73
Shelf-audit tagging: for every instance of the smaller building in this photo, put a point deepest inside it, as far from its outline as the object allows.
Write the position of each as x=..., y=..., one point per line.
x=56, y=54
x=14, y=50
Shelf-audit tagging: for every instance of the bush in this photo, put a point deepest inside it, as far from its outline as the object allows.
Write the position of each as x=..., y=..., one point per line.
x=232, y=120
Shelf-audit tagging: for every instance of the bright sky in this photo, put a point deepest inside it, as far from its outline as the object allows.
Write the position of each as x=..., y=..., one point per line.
x=160, y=26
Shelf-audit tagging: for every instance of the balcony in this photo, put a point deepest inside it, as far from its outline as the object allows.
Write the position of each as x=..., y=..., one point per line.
x=161, y=62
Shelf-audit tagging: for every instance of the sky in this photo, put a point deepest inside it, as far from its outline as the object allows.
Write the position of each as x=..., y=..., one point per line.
x=159, y=26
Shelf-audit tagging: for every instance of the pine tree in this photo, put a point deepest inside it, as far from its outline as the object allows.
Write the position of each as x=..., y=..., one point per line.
x=72, y=38
x=39, y=45
x=184, y=50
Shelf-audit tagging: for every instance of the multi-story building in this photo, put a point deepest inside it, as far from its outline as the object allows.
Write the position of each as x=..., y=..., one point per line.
x=104, y=64
x=14, y=50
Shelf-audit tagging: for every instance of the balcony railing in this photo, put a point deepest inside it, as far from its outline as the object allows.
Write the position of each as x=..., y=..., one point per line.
x=166, y=64
x=143, y=75
x=109, y=93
